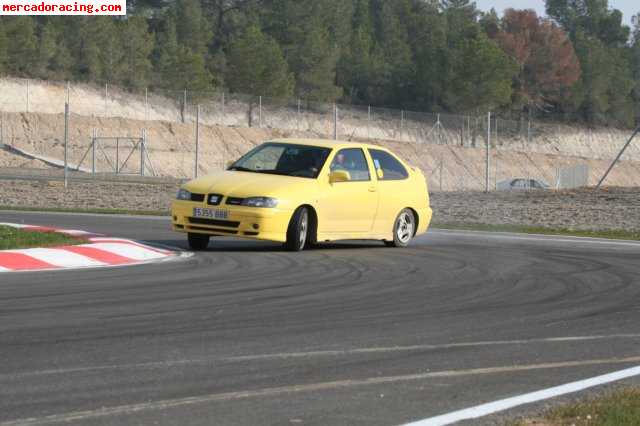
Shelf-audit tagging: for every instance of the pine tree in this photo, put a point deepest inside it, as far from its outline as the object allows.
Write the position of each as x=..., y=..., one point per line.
x=192, y=29
x=107, y=34
x=3, y=47
x=138, y=44
x=46, y=49
x=316, y=73
x=430, y=49
x=179, y=67
x=21, y=46
x=167, y=50
x=397, y=69
x=356, y=66
x=256, y=65
x=482, y=76
x=87, y=49
x=635, y=57
x=600, y=40
x=189, y=72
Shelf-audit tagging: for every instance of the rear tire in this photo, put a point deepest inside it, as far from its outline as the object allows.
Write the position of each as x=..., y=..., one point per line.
x=198, y=242
x=298, y=231
x=404, y=228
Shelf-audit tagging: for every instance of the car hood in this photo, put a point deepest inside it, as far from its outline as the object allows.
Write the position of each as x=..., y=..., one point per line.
x=246, y=184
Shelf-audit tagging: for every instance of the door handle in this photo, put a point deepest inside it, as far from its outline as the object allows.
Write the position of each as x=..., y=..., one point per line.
x=373, y=189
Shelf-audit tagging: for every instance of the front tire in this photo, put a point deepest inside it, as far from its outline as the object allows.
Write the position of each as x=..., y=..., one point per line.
x=404, y=228
x=298, y=231
x=198, y=242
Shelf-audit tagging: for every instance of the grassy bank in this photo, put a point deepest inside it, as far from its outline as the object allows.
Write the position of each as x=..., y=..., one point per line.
x=610, y=234
x=14, y=238
x=619, y=408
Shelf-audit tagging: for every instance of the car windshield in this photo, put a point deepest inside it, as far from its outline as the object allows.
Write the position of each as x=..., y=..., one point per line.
x=284, y=159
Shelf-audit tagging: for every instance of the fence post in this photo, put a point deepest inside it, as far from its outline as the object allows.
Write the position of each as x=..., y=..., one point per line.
x=66, y=140
x=624, y=148
x=488, y=147
x=143, y=145
x=94, y=134
x=28, y=81
x=197, y=139
x=117, y=155
x=335, y=122
x=184, y=106
x=68, y=91
x=222, y=108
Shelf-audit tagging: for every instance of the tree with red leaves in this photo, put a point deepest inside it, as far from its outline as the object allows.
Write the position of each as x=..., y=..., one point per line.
x=548, y=65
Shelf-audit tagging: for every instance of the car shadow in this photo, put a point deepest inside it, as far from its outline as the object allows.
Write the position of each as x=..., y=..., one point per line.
x=248, y=246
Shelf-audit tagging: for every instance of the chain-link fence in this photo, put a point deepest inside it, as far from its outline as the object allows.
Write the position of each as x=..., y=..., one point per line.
x=182, y=134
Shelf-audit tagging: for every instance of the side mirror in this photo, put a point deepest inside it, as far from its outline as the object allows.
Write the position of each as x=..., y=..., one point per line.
x=339, y=176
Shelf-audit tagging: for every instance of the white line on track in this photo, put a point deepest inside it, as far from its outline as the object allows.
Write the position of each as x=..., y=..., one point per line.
x=292, y=389
x=535, y=237
x=505, y=404
x=411, y=348
x=328, y=353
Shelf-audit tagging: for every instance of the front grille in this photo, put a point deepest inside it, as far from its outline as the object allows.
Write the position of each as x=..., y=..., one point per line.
x=213, y=222
x=214, y=230
x=197, y=197
x=214, y=199
x=234, y=201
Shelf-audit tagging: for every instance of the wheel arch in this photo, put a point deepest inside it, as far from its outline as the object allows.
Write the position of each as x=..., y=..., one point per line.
x=417, y=217
x=313, y=225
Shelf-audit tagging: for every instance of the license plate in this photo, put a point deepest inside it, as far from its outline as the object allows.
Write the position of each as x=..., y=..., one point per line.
x=210, y=213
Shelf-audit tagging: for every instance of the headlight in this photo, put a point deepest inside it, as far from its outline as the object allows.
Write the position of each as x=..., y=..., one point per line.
x=260, y=202
x=183, y=195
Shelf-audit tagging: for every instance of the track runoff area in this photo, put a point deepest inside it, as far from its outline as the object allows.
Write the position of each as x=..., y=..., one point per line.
x=460, y=327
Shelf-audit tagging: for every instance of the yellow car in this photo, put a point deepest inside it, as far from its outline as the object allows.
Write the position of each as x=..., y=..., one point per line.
x=303, y=191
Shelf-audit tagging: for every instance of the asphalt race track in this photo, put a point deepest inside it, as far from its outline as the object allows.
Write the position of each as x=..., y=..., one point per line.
x=353, y=333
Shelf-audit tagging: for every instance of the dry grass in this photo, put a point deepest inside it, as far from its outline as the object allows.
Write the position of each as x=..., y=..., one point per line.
x=615, y=408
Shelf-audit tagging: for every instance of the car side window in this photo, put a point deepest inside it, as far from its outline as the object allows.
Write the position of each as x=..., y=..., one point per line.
x=353, y=161
x=391, y=168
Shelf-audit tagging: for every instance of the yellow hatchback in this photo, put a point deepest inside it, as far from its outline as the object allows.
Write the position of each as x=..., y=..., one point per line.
x=303, y=191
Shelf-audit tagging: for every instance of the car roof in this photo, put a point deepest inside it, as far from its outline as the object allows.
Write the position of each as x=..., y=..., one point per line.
x=326, y=143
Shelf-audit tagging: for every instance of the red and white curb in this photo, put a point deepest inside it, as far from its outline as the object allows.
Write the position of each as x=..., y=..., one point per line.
x=99, y=251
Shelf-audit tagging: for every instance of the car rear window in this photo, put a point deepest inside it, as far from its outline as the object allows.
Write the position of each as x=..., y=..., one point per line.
x=391, y=168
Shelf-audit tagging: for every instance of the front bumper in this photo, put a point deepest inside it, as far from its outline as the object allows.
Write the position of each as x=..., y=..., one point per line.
x=246, y=222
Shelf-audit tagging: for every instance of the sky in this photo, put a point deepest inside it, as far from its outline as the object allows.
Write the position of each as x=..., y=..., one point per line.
x=627, y=7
